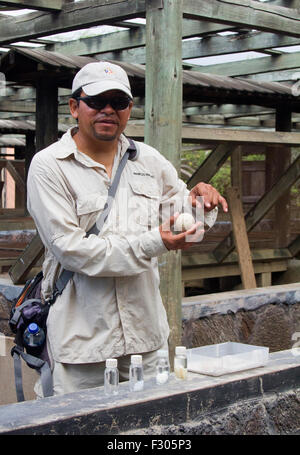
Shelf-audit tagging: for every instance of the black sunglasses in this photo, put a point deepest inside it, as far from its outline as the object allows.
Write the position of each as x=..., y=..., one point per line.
x=118, y=103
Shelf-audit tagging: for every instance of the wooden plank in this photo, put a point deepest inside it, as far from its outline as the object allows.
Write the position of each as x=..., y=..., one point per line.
x=46, y=108
x=129, y=45
x=16, y=224
x=283, y=160
x=276, y=76
x=26, y=107
x=30, y=152
x=240, y=238
x=236, y=168
x=233, y=44
x=129, y=39
x=43, y=5
x=245, y=13
x=10, y=213
x=19, y=181
x=255, y=66
x=46, y=133
x=240, y=136
x=294, y=247
x=73, y=16
x=232, y=110
x=22, y=266
x=220, y=270
x=264, y=279
x=254, y=122
x=257, y=212
x=210, y=165
x=214, y=135
x=258, y=255
x=163, y=110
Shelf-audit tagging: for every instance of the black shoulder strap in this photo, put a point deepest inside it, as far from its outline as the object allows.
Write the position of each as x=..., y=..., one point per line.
x=41, y=366
x=66, y=275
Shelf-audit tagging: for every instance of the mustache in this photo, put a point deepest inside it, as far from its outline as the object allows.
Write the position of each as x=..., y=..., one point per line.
x=105, y=118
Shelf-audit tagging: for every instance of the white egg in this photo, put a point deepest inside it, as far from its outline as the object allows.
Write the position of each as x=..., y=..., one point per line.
x=184, y=222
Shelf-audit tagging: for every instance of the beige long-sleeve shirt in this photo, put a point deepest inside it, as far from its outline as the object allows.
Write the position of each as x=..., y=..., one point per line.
x=112, y=305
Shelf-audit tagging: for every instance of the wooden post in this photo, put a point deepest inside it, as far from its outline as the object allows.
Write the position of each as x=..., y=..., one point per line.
x=29, y=150
x=19, y=178
x=163, y=121
x=29, y=154
x=278, y=160
x=236, y=168
x=46, y=113
x=46, y=134
x=241, y=238
x=282, y=207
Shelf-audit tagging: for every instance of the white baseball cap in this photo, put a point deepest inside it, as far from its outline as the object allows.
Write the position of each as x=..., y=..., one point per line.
x=99, y=77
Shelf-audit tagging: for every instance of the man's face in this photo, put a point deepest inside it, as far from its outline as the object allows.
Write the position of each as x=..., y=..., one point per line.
x=105, y=124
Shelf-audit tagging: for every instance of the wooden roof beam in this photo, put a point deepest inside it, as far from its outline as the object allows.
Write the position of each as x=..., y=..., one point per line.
x=274, y=76
x=43, y=5
x=228, y=110
x=232, y=44
x=129, y=39
x=196, y=134
x=26, y=107
x=281, y=62
x=129, y=45
x=245, y=13
x=73, y=16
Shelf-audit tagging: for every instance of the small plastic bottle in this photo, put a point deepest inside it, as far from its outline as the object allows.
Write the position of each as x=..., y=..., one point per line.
x=111, y=377
x=136, y=374
x=162, y=366
x=33, y=337
x=180, y=362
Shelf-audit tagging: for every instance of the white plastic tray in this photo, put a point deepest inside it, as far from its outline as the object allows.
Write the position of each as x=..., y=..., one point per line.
x=223, y=358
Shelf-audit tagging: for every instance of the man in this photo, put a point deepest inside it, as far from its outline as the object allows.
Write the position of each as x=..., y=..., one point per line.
x=112, y=305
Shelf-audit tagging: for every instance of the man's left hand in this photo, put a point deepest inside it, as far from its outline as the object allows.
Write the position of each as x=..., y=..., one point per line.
x=211, y=197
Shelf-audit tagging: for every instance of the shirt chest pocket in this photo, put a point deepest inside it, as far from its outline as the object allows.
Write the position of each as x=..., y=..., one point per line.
x=144, y=203
x=89, y=208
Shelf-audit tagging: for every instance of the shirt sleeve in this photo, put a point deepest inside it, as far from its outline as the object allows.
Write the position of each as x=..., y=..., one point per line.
x=53, y=209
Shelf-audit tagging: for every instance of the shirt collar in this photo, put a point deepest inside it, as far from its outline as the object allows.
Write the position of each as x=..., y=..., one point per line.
x=69, y=147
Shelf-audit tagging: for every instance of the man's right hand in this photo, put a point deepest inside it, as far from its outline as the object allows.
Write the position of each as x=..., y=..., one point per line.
x=181, y=241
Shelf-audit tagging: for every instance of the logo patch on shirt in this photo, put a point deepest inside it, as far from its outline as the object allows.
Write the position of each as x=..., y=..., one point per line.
x=143, y=174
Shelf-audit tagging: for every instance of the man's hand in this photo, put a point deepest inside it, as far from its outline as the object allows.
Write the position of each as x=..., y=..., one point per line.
x=181, y=241
x=211, y=196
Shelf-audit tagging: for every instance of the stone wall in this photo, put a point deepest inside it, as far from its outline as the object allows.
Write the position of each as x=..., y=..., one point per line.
x=7, y=294
x=267, y=316
x=262, y=401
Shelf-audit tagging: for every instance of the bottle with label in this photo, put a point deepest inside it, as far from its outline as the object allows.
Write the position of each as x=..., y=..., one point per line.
x=162, y=366
x=136, y=374
x=111, y=377
x=180, y=362
x=34, y=338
